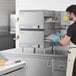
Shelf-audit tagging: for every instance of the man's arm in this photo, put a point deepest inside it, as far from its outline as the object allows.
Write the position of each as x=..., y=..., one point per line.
x=65, y=41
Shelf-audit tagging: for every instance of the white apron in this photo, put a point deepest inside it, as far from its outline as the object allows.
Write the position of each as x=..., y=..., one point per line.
x=71, y=59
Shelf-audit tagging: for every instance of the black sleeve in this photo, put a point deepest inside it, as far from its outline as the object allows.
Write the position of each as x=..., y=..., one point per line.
x=70, y=32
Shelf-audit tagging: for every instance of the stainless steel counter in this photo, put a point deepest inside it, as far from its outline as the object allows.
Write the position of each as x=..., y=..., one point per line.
x=18, y=52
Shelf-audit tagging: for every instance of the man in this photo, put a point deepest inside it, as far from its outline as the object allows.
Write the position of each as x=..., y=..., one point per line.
x=71, y=31
x=71, y=37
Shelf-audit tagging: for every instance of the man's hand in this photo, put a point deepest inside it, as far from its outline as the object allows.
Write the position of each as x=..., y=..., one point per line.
x=55, y=37
x=57, y=34
x=54, y=40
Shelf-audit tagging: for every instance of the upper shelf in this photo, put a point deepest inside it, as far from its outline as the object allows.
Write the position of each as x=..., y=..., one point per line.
x=51, y=21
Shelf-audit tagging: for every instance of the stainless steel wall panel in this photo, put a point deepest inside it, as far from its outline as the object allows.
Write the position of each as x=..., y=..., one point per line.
x=31, y=20
x=31, y=39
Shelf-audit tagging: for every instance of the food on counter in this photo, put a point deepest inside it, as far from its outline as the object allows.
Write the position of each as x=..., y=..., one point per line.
x=2, y=62
x=52, y=36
